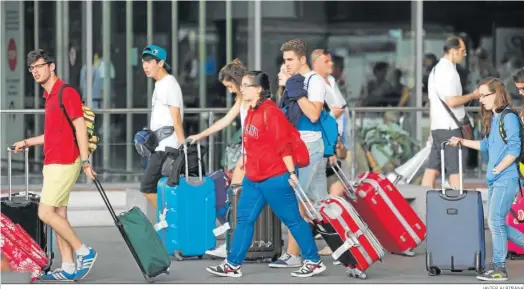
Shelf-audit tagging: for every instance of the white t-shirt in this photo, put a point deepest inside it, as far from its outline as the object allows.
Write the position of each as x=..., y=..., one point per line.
x=243, y=112
x=244, y=107
x=334, y=98
x=316, y=91
x=444, y=82
x=167, y=93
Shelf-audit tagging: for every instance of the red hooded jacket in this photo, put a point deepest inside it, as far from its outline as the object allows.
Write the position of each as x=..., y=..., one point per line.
x=267, y=138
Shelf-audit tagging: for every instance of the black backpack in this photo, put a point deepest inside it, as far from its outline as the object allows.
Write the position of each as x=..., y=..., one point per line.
x=520, y=159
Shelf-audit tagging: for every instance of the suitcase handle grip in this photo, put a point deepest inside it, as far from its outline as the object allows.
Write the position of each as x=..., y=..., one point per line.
x=313, y=214
x=348, y=188
x=10, y=150
x=199, y=156
x=443, y=167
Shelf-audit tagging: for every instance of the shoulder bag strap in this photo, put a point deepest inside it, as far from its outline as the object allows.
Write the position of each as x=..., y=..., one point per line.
x=447, y=107
x=326, y=107
x=62, y=107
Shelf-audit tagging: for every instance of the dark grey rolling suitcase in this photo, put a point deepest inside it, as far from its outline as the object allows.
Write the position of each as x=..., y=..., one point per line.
x=455, y=227
x=22, y=209
x=267, y=239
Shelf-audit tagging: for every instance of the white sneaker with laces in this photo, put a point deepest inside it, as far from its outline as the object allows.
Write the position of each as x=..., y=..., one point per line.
x=309, y=269
x=225, y=270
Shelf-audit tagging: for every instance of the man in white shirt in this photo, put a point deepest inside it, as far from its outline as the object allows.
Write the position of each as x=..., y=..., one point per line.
x=168, y=109
x=444, y=86
x=323, y=65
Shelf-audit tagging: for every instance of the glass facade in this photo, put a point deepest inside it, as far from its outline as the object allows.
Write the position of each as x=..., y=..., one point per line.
x=201, y=37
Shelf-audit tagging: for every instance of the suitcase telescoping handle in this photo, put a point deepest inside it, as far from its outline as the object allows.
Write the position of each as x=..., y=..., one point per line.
x=106, y=200
x=10, y=150
x=312, y=213
x=199, y=155
x=443, y=167
x=120, y=227
x=348, y=188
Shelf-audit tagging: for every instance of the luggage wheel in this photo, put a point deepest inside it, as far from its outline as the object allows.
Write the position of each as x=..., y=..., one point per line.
x=434, y=271
x=178, y=256
x=355, y=273
x=200, y=257
x=511, y=256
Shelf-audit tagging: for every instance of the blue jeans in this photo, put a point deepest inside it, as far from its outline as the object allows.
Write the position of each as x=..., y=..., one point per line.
x=278, y=194
x=500, y=198
x=313, y=177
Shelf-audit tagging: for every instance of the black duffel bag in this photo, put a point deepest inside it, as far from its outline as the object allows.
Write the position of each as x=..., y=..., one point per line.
x=175, y=164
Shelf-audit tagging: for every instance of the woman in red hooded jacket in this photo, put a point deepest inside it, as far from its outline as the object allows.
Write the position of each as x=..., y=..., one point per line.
x=273, y=150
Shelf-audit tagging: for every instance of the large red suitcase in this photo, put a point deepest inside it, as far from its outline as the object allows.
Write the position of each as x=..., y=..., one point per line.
x=396, y=225
x=352, y=243
x=20, y=250
x=515, y=219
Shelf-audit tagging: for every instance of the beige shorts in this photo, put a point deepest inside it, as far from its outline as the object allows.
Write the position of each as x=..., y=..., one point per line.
x=58, y=183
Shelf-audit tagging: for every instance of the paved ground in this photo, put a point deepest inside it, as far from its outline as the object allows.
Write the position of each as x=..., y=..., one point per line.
x=116, y=265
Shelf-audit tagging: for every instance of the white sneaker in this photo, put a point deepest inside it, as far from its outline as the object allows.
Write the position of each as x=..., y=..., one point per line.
x=219, y=252
x=309, y=269
x=225, y=270
x=286, y=261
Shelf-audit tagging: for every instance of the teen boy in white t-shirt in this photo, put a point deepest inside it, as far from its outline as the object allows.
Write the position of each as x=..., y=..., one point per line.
x=168, y=110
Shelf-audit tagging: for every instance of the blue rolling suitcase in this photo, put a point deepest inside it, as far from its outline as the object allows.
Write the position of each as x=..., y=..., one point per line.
x=455, y=227
x=187, y=213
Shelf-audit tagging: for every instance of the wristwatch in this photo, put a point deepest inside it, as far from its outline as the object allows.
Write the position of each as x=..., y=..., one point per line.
x=85, y=163
x=292, y=173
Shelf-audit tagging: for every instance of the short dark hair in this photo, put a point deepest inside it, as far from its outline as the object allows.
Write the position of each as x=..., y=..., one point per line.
x=518, y=77
x=36, y=54
x=432, y=57
x=296, y=45
x=233, y=71
x=452, y=42
x=148, y=57
x=380, y=66
x=338, y=61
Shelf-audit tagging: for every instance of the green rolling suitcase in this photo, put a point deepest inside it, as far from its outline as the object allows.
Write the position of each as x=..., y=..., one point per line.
x=141, y=239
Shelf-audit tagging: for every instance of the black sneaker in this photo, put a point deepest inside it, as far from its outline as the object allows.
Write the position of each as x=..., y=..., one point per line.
x=225, y=270
x=309, y=269
x=494, y=273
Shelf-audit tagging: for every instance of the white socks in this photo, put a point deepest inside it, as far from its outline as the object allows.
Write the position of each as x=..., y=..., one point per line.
x=69, y=268
x=83, y=250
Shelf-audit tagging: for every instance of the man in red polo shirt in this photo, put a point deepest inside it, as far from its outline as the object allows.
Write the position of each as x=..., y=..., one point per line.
x=63, y=159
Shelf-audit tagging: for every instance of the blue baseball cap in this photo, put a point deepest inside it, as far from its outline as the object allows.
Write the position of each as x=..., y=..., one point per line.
x=158, y=52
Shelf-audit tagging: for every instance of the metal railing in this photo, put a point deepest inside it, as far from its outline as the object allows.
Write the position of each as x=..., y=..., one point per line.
x=358, y=113
x=357, y=116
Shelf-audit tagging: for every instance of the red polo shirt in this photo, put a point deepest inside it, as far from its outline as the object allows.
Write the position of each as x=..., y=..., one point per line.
x=59, y=142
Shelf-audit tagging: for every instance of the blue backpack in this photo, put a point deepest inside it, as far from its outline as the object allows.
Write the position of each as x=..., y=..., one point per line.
x=329, y=128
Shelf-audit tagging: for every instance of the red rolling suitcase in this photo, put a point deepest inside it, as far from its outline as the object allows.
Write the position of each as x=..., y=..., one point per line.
x=21, y=252
x=352, y=243
x=396, y=225
x=515, y=219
